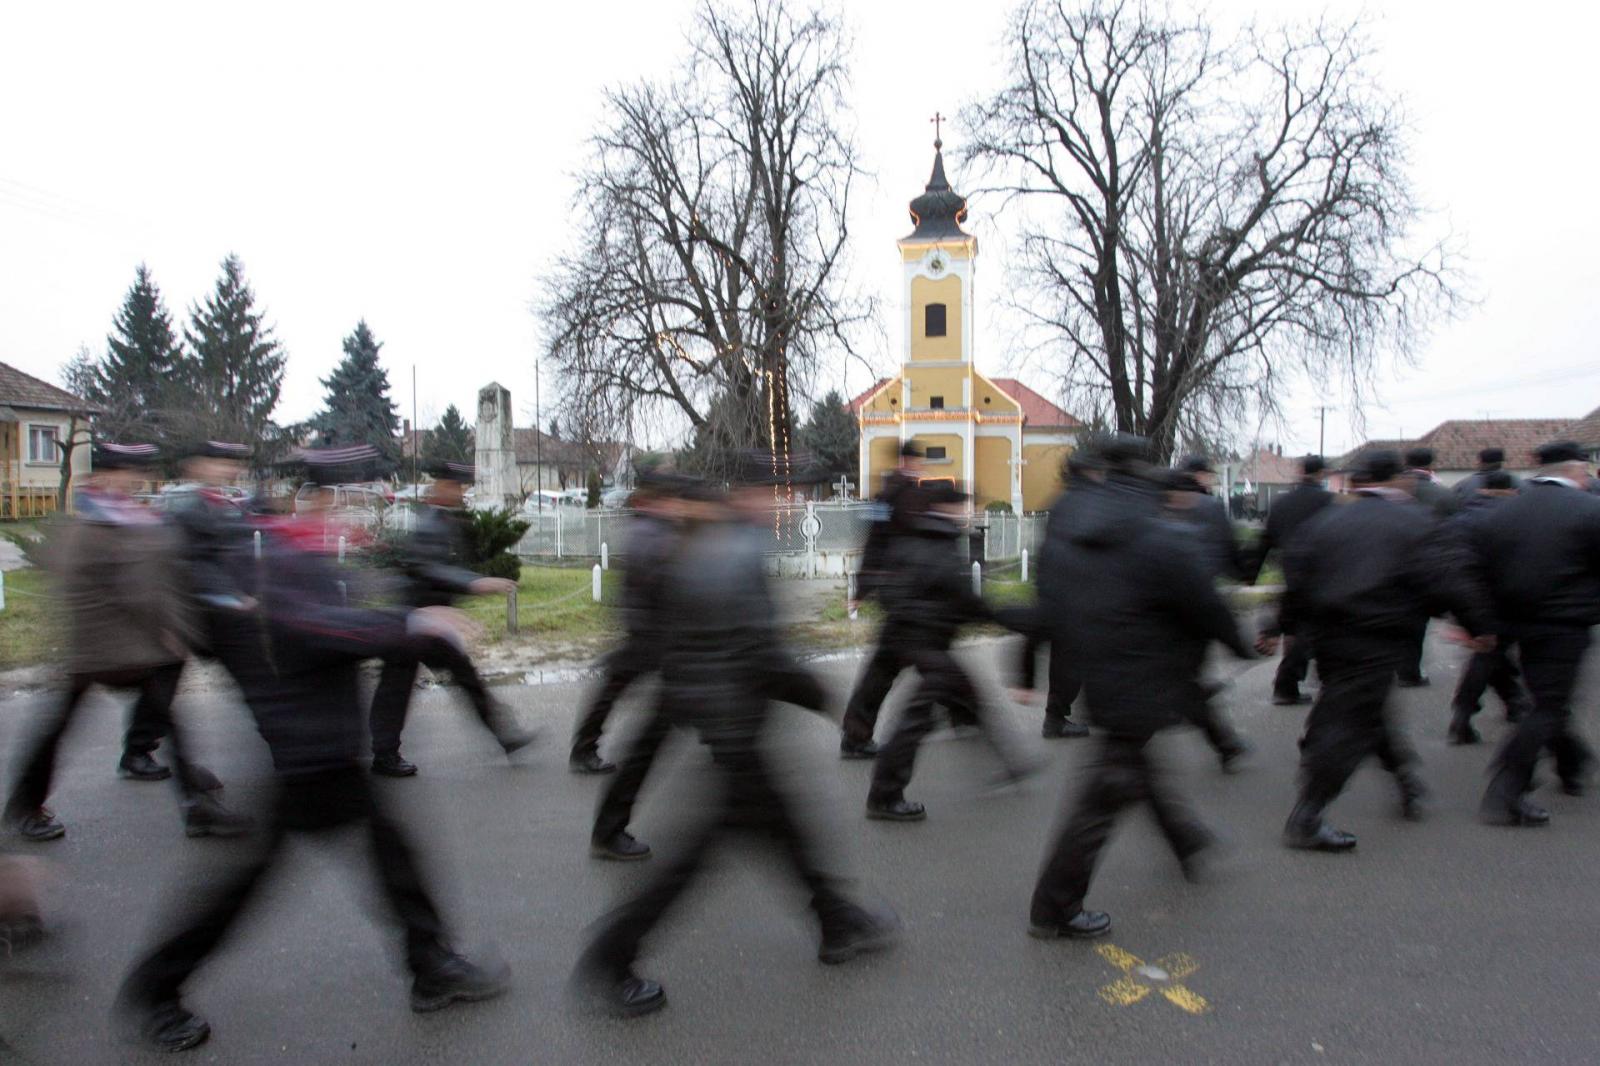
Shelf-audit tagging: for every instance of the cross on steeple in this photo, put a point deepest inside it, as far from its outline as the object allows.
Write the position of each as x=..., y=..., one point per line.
x=938, y=139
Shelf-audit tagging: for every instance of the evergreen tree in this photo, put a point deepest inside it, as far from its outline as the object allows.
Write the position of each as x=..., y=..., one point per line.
x=236, y=366
x=138, y=383
x=832, y=437
x=450, y=441
x=358, y=409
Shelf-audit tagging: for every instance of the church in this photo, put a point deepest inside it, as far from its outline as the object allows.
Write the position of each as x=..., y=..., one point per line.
x=994, y=437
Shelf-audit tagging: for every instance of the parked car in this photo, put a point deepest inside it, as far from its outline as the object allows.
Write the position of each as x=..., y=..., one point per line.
x=549, y=499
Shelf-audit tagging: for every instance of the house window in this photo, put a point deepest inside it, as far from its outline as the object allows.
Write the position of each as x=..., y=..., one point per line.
x=42, y=444
x=936, y=403
x=933, y=320
x=935, y=452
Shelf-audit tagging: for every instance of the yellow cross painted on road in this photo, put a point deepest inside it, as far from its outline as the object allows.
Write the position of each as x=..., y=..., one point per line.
x=1140, y=978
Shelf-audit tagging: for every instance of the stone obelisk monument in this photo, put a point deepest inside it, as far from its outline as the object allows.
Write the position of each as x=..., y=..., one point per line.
x=496, y=455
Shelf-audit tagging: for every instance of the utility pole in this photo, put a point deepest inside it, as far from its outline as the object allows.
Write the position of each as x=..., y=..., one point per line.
x=538, y=442
x=415, y=429
x=1322, y=429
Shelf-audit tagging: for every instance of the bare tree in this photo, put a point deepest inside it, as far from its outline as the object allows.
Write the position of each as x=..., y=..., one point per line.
x=715, y=211
x=78, y=376
x=1201, y=222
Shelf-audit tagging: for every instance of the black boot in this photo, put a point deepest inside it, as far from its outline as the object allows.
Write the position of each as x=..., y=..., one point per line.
x=1522, y=812
x=857, y=933
x=589, y=762
x=620, y=846
x=167, y=1027
x=896, y=810
x=37, y=826
x=205, y=816
x=621, y=992
x=139, y=766
x=1306, y=830
x=857, y=749
x=392, y=764
x=1461, y=728
x=452, y=979
x=1290, y=699
x=1080, y=926
x=1063, y=729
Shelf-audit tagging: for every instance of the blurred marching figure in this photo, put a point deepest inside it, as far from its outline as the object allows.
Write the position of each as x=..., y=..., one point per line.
x=927, y=597
x=433, y=574
x=1539, y=555
x=310, y=714
x=1440, y=503
x=651, y=541
x=1359, y=577
x=21, y=906
x=1187, y=505
x=129, y=627
x=902, y=501
x=1285, y=517
x=1142, y=611
x=723, y=665
x=1209, y=513
x=1494, y=668
x=1081, y=475
x=648, y=542
x=1491, y=461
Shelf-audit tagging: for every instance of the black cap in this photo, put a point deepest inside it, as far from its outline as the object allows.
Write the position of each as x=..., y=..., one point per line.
x=763, y=466
x=1176, y=480
x=1560, y=451
x=1419, y=458
x=218, y=449
x=1312, y=464
x=1499, y=480
x=1125, y=451
x=1492, y=456
x=337, y=466
x=1196, y=464
x=1374, y=467
x=463, y=473
x=911, y=450
x=125, y=456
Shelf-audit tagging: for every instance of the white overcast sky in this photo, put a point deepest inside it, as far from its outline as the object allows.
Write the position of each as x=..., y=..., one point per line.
x=411, y=164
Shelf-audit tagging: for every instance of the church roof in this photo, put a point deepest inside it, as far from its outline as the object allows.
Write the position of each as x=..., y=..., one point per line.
x=940, y=210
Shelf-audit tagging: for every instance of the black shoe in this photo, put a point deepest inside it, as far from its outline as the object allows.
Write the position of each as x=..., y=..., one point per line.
x=900, y=810
x=863, y=933
x=20, y=931
x=1290, y=699
x=1522, y=812
x=139, y=766
x=590, y=763
x=169, y=1027
x=620, y=846
x=1080, y=926
x=857, y=749
x=1416, y=681
x=393, y=765
x=1462, y=730
x=1516, y=712
x=1573, y=786
x=205, y=816
x=514, y=740
x=37, y=825
x=1232, y=755
x=627, y=994
x=1412, y=793
x=1321, y=837
x=455, y=980
x=1063, y=729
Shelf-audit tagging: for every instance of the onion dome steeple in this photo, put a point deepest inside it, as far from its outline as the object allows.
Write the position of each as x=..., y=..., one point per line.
x=940, y=210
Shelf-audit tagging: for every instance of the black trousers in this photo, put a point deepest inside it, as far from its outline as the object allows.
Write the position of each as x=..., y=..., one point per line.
x=304, y=805
x=1293, y=667
x=391, y=700
x=1351, y=720
x=149, y=723
x=893, y=654
x=631, y=660
x=1123, y=772
x=1409, y=667
x=746, y=799
x=615, y=811
x=1490, y=669
x=235, y=640
x=1551, y=661
x=1063, y=680
x=941, y=681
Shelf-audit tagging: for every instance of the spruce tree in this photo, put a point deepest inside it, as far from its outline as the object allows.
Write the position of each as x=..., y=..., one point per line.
x=450, y=441
x=832, y=437
x=358, y=409
x=138, y=382
x=236, y=365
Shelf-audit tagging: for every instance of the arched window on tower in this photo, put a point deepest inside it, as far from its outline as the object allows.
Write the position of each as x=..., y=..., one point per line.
x=933, y=320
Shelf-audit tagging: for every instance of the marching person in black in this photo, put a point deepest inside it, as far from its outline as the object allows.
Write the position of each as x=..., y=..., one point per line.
x=1539, y=554
x=724, y=665
x=651, y=535
x=1286, y=514
x=1359, y=576
x=434, y=575
x=926, y=602
x=311, y=717
x=1490, y=461
x=1143, y=610
x=1209, y=512
x=1485, y=668
x=1441, y=503
x=129, y=627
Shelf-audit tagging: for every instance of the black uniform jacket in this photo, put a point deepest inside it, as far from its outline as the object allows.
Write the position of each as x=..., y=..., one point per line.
x=1287, y=514
x=433, y=559
x=1539, y=555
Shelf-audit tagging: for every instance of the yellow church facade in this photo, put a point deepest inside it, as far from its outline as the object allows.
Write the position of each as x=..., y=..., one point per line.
x=994, y=437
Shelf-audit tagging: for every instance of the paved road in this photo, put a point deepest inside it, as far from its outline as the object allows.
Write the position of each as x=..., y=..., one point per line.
x=1442, y=942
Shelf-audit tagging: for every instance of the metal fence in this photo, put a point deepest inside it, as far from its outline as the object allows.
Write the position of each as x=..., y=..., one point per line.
x=837, y=527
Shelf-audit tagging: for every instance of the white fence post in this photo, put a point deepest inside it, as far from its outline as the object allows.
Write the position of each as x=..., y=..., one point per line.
x=559, y=523
x=258, y=544
x=605, y=556
x=2, y=590
x=597, y=582
x=977, y=578
x=1024, y=564
x=341, y=549
x=511, y=610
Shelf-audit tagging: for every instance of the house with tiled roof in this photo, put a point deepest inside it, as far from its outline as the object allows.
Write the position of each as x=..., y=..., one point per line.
x=36, y=420
x=996, y=438
x=1456, y=444
x=1586, y=432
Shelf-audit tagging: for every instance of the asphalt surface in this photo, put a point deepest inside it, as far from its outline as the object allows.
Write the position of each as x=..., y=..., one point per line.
x=1440, y=942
